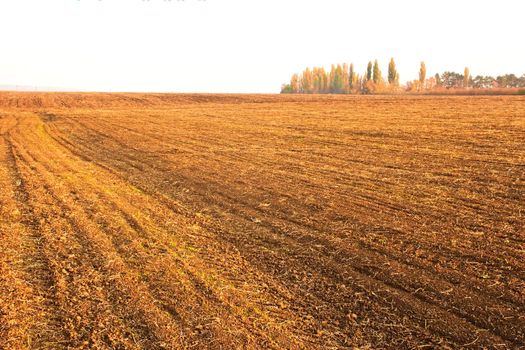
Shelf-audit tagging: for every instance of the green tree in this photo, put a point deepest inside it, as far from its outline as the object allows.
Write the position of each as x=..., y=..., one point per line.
x=351, y=76
x=508, y=81
x=438, y=79
x=369, y=71
x=286, y=89
x=331, y=78
x=451, y=80
x=393, y=76
x=363, y=84
x=338, y=79
x=377, y=73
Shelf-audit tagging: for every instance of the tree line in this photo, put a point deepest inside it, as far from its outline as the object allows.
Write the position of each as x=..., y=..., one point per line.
x=344, y=79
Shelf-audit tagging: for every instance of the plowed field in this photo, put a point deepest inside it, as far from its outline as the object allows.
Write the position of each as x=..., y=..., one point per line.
x=134, y=221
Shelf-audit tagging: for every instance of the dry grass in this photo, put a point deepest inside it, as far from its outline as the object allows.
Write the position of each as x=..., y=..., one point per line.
x=138, y=221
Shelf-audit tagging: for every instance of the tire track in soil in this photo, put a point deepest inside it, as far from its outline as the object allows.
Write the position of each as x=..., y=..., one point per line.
x=171, y=205
x=369, y=200
x=77, y=289
x=46, y=327
x=129, y=254
x=132, y=322
x=17, y=301
x=410, y=288
x=381, y=205
x=364, y=270
x=196, y=281
x=369, y=262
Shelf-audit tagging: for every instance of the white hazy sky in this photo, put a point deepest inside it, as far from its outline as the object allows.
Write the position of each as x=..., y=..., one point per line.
x=247, y=45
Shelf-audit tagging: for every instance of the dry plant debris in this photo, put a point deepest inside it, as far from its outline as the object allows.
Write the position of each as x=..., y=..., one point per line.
x=150, y=221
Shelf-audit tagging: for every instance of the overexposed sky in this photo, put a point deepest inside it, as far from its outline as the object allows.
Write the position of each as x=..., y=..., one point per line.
x=247, y=45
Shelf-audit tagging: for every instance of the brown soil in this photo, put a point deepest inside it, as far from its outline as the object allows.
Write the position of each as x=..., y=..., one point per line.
x=150, y=221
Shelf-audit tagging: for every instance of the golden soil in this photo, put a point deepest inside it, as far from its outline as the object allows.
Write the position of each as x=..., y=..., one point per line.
x=150, y=221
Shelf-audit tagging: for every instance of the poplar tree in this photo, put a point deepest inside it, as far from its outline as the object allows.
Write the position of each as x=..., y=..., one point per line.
x=316, y=80
x=294, y=83
x=332, y=79
x=377, y=73
x=351, y=76
x=338, y=79
x=422, y=73
x=466, y=77
x=393, y=77
x=369, y=71
x=363, y=83
x=346, y=79
x=307, y=81
x=324, y=80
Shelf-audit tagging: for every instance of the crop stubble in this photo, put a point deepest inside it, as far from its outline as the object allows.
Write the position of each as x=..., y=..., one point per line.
x=249, y=221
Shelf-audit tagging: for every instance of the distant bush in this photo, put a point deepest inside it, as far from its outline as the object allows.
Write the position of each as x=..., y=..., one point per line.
x=286, y=89
x=521, y=92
